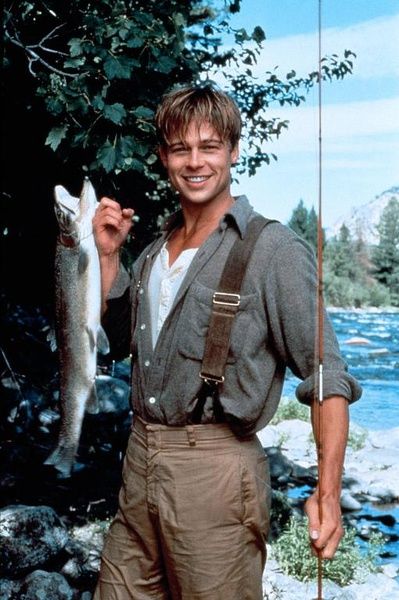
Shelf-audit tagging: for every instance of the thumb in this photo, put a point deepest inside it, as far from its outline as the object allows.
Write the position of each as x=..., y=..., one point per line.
x=312, y=511
x=127, y=214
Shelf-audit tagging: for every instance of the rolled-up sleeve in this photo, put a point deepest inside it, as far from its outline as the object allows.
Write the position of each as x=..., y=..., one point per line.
x=292, y=308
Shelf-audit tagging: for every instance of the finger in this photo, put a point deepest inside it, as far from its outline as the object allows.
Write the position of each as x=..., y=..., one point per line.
x=106, y=202
x=127, y=212
x=329, y=543
x=111, y=220
x=106, y=216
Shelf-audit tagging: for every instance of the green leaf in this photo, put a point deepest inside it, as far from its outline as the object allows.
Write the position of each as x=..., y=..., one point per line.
x=55, y=136
x=241, y=36
x=98, y=102
x=74, y=63
x=75, y=46
x=114, y=112
x=119, y=68
x=135, y=42
x=142, y=112
x=152, y=159
x=179, y=20
x=126, y=145
x=258, y=35
x=106, y=156
x=165, y=64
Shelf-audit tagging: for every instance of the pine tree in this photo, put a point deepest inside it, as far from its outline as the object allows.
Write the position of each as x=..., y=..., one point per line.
x=386, y=254
x=305, y=224
x=299, y=219
x=339, y=254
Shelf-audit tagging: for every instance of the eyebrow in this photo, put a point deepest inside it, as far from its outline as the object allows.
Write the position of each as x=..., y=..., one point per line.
x=202, y=142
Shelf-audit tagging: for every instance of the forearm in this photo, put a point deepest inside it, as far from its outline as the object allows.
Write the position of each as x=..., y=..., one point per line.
x=330, y=429
x=109, y=267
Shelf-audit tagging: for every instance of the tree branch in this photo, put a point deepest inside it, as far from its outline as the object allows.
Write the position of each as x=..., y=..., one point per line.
x=33, y=56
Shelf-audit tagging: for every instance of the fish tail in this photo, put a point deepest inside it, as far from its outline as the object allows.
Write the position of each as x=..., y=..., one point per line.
x=62, y=459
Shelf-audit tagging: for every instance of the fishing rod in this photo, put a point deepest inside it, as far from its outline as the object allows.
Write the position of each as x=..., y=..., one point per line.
x=319, y=341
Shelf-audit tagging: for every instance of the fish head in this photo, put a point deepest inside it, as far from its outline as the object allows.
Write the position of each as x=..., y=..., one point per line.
x=66, y=211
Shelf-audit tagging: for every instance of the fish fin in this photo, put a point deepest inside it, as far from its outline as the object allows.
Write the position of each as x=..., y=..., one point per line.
x=102, y=341
x=92, y=401
x=92, y=339
x=52, y=339
x=83, y=261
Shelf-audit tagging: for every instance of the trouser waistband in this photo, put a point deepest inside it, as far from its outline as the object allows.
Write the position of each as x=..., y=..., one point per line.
x=185, y=434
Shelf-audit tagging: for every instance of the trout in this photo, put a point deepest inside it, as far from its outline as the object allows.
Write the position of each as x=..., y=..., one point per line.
x=79, y=334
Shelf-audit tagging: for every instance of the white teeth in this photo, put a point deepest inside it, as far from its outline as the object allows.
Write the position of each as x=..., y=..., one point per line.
x=196, y=179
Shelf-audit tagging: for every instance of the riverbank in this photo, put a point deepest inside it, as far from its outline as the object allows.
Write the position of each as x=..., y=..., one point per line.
x=371, y=479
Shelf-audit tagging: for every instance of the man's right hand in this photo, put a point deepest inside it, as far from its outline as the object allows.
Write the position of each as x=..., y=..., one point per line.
x=111, y=225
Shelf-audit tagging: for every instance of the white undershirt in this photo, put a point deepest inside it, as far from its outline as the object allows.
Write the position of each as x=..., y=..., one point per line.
x=163, y=286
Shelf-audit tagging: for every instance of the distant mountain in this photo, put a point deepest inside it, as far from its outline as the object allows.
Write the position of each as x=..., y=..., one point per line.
x=362, y=221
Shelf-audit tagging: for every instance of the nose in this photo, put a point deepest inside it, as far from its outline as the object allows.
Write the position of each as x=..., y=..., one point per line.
x=195, y=159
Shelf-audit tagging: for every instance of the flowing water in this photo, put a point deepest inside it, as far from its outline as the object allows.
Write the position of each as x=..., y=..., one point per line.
x=369, y=343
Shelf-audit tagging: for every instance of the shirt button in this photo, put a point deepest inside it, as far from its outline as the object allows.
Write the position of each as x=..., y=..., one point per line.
x=141, y=291
x=152, y=400
x=142, y=326
x=147, y=363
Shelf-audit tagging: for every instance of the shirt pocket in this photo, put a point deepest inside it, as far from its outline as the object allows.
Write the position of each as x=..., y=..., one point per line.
x=195, y=319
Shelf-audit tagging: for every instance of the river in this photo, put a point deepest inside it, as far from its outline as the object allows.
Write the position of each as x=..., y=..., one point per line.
x=374, y=361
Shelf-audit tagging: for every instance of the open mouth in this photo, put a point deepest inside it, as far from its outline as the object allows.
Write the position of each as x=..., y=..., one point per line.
x=197, y=178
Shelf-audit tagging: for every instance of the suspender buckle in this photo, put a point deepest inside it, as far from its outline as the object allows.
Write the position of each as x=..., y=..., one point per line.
x=211, y=378
x=225, y=299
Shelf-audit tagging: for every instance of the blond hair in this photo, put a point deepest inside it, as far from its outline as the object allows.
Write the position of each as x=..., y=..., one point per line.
x=199, y=104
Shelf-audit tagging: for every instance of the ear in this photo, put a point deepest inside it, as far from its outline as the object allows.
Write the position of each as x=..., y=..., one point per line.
x=234, y=154
x=163, y=155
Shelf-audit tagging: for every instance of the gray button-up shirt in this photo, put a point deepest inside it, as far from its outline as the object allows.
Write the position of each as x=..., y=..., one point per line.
x=274, y=328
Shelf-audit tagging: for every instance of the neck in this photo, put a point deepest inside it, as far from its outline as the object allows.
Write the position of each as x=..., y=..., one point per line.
x=205, y=216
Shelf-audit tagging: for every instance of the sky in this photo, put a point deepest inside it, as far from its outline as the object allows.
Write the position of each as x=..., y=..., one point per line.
x=360, y=114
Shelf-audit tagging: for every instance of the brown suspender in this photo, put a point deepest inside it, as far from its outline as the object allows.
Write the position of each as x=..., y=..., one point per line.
x=226, y=302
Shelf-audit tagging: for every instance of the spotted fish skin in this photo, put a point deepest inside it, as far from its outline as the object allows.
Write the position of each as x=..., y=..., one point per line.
x=79, y=333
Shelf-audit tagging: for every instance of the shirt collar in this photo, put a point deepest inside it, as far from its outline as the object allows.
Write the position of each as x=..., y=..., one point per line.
x=238, y=216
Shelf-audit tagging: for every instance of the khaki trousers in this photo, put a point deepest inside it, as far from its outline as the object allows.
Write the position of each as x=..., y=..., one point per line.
x=193, y=517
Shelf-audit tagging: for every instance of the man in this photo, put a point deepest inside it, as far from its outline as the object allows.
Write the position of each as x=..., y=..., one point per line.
x=193, y=513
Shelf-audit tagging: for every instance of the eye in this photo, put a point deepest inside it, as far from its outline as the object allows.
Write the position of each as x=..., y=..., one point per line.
x=178, y=150
x=210, y=147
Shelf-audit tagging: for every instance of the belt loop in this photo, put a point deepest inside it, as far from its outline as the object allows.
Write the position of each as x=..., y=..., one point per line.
x=190, y=434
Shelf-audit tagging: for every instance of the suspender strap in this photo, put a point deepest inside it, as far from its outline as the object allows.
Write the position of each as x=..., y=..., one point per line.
x=226, y=302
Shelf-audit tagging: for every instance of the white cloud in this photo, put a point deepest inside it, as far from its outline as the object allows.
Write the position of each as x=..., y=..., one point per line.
x=344, y=126
x=374, y=42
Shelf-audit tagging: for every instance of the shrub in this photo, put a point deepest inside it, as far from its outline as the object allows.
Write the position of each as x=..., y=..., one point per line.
x=292, y=552
x=290, y=408
x=357, y=439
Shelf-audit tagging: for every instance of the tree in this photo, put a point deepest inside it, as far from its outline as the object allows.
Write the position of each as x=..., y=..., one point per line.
x=305, y=224
x=386, y=254
x=299, y=219
x=82, y=80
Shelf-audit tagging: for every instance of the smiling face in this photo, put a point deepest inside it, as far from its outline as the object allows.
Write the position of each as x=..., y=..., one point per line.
x=198, y=165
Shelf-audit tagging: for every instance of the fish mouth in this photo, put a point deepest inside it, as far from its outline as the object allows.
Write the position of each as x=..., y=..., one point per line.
x=67, y=204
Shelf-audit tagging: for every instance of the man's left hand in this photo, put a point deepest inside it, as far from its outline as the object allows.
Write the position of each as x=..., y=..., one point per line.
x=325, y=535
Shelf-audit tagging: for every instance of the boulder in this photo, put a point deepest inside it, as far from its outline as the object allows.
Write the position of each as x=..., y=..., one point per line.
x=41, y=585
x=30, y=536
